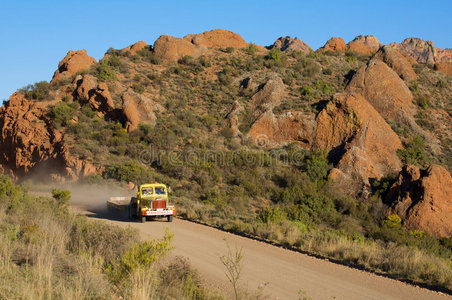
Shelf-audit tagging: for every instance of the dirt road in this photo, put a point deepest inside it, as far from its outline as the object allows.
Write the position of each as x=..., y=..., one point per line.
x=286, y=272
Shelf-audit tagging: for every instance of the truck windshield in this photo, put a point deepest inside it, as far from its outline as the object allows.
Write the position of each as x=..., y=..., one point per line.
x=146, y=191
x=160, y=191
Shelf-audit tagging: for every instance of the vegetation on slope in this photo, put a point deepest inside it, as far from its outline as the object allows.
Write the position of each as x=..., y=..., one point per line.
x=231, y=183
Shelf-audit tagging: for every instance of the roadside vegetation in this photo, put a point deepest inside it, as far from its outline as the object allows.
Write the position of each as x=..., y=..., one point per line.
x=46, y=252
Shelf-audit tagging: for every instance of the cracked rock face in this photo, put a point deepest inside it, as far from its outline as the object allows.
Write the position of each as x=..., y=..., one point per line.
x=30, y=145
x=360, y=141
x=423, y=199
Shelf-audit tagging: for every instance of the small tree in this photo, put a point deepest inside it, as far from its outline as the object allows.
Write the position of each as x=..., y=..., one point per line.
x=413, y=153
x=232, y=260
x=275, y=55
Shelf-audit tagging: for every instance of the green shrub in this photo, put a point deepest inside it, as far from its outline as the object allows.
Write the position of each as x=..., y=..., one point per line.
x=441, y=84
x=38, y=91
x=317, y=166
x=414, y=152
x=145, y=128
x=351, y=59
x=423, y=102
x=229, y=50
x=251, y=49
x=275, y=55
x=138, y=88
x=105, y=72
x=307, y=91
x=62, y=113
x=186, y=60
x=325, y=87
x=272, y=215
x=141, y=256
x=311, y=69
x=62, y=197
x=328, y=71
x=414, y=87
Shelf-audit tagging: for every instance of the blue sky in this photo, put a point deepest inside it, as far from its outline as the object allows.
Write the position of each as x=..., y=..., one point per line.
x=36, y=35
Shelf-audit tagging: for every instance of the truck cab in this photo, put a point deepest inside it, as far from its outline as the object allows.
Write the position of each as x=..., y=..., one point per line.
x=151, y=201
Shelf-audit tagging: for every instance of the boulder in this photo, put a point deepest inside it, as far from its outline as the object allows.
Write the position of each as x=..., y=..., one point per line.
x=364, y=45
x=132, y=49
x=73, y=62
x=172, y=49
x=217, y=38
x=385, y=90
x=271, y=130
x=360, y=142
x=289, y=44
x=269, y=96
x=394, y=59
x=334, y=44
x=444, y=67
x=90, y=90
x=138, y=109
x=423, y=199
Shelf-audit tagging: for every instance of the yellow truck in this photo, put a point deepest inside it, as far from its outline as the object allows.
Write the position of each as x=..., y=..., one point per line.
x=151, y=201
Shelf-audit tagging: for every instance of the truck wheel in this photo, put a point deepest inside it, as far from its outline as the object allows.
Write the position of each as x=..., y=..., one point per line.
x=170, y=218
x=143, y=219
x=130, y=212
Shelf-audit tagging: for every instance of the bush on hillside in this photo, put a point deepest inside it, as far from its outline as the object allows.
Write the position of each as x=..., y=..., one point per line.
x=414, y=153
x=38, y=91
x=62, y=113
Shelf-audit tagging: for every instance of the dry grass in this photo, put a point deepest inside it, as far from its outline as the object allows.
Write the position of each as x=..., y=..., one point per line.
x=48, y=253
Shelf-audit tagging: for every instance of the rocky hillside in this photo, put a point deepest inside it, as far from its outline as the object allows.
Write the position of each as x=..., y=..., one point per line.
x=375, y=112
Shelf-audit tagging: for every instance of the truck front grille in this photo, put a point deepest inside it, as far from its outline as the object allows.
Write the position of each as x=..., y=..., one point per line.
x=156, y=204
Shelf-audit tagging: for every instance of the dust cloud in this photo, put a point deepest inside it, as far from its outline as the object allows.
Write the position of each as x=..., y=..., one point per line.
x=88, y=198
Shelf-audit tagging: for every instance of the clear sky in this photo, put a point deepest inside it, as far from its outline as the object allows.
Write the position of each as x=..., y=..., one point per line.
x=36, y=35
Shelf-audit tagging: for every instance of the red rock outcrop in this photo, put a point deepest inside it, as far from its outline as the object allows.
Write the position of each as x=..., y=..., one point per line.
x=385, y=90
x=217, y=38
x=423, y=199
x=394, y=59
x=29, y=144
x=334, y=44
x=172, y=48
x=361, y=141
x=445, y=67
x=138, y=109
x=73, y=62
x=132, y=49
x=90, y=90
x=364, y=45
x=269, y=129
x=289, y=127
x=289, y=44
x=423, y=52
